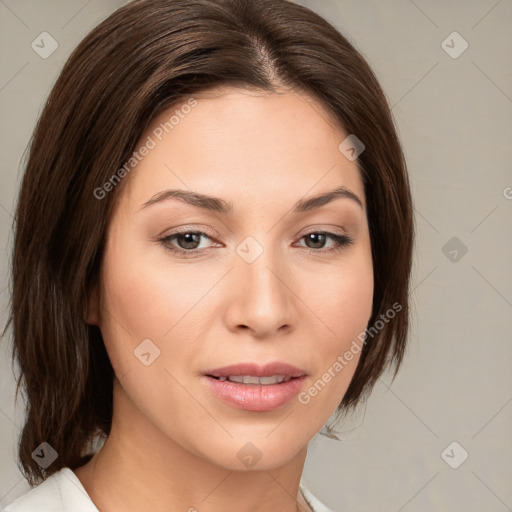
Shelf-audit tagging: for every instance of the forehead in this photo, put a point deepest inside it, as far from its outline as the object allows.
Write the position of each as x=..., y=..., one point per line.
x=249, y=144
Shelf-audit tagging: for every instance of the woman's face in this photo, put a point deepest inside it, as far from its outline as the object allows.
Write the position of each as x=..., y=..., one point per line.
x=189, y=286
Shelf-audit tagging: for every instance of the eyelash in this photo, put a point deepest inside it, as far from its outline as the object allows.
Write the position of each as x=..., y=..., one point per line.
x=341, y=242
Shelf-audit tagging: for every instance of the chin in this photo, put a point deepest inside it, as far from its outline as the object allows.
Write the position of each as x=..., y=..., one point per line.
x=260, y=452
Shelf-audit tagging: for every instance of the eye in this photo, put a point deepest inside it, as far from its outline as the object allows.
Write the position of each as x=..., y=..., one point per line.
x=187, y=242
x=316, y=240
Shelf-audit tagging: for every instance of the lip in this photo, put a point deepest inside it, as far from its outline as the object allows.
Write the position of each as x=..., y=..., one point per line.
x=254, y=397
x=257, y=370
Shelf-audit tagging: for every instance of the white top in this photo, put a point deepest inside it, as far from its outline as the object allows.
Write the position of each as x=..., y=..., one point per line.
x=63, y=492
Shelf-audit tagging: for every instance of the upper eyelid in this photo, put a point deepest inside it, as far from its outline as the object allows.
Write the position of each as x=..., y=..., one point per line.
x=212, y=235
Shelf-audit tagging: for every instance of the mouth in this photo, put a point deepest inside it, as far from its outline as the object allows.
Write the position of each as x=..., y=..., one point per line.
x=255, y=387
x=252, y=380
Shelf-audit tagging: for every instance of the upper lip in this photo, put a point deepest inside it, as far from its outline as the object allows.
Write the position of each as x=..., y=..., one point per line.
x=257, y=370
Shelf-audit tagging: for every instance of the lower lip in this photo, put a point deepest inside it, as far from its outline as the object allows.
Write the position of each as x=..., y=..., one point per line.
x=252, y=397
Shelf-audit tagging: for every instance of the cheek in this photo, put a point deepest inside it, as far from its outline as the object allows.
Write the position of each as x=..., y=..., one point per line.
x=350, y=318
x=342, y=297
x=135, y=306
x=343, y=301
x=351, y=301
x=143, y=298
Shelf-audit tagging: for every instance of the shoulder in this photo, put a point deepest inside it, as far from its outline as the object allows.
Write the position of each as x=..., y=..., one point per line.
x=61, y=492
x=313, y=501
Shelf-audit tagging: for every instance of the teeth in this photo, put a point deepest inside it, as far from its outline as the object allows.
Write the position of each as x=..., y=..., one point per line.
x=273, y=379
x=249, y=379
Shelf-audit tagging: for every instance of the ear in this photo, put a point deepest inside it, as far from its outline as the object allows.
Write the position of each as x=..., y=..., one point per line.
x=92, y=316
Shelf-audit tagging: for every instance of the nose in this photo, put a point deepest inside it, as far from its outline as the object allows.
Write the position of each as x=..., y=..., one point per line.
x=261, y=298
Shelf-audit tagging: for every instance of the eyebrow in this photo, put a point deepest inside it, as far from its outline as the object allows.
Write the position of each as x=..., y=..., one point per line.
x=218, y=205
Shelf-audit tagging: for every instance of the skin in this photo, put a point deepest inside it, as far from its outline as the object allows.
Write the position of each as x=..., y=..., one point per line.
x=174, y=444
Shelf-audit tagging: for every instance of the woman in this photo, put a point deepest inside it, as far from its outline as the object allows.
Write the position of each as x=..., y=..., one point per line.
x=212, y=256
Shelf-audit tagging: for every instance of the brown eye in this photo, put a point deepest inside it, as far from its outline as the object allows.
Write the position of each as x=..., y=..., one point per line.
x=185, y=243
x=316, y=241
x=188, y=240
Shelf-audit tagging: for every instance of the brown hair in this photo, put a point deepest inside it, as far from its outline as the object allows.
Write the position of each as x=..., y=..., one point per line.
x=146, y=56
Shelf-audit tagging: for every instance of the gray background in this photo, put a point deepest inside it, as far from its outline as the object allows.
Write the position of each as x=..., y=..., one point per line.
x=454, y=118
